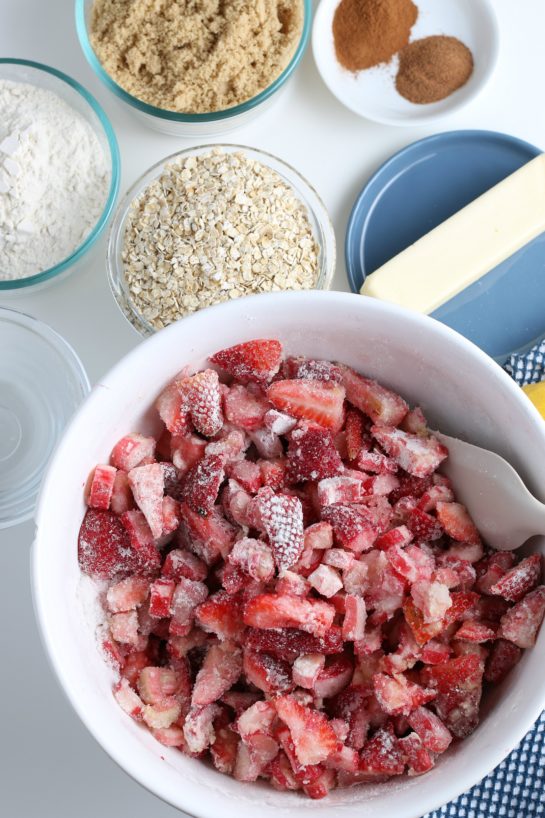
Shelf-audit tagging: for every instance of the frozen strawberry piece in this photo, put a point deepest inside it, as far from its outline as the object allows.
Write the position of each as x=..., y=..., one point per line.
x=252, y=361
x=268, y=673
x=104, y=547
x=406, y=654
x=433, y=495
x=121, y=499
x=128, y=700
x=432, y=599
x=245, y=410
x=344, y=758
x=351, y=526
x=417, y=758
x=221, y=614
x=202, y=483
x=311, y=369
x=320, y=402
x=230, y=445
x=279, y=422
x=319, y=536
x=127, y=594
x=380, y=404
x=145, y=554
x=520, y=623
x=275, y=611
x=473, y=631
x=397, y=696
x=355, y=578
x=312, y=455
x=411, y=564
x=267, y=443
x=424, y=526
x=334, y=677
x=124, y=628
x=492, y=568
x=419, y=456
x=247, y=475
x=173, y=405
x=313, y=737
x=252, y=758
x=309, y=560
x=239, y=701
x=170, y=512
x=422, y=631
x=321, y=786
x=325, y=580
x=281, y=774
x=188, y=594
x=519, y=580
x=355, y=615
x=233, y=578
x=254, y=557
x=179, y=563
x=282, y=518
x=457, y=523
x=273, y=472
x=434, y=652
x=464, y=606
x=382, y=754
x=379, y=485
x=471, y=552
x=131, y=450
x=236, y=505
x=385, y=593
x=503, y=657
x=220, y=670
x=354, y=428
x=351, y=706
x=377, y=463
x=147, y=484
x=204, y=401
x=257, y=718
x=292, y=584
x=431, y=730
x=179, y=646
x=290, y=643
x=339, y=489
x=161, y=593
x=211, y=536
x=399, y=536
x=306, y=669
x=339, y=558
x=186, y=451
x=459, y=686
x=415, y=422
x=460, y=572
x=102, y=485
x=223, y=749
x=199, y=727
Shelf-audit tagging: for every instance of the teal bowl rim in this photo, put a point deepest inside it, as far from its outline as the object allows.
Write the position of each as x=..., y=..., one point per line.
x=175, y=116
x=51, y=272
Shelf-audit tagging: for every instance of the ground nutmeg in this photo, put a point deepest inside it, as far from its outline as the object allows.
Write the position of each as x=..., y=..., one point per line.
x=432, y=68
x=370, y=32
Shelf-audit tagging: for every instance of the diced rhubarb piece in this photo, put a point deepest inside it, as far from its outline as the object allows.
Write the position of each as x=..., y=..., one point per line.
x=131, y=450
x=104, y=547
x=127, y=594
x=520, y=623
x=247, y=474
x=161, y=593
x=267, y=443
x=354, y=618
x=121, y=499
x=317, y=401
x=236, y=505
x=170, y=512
x=173, y=405
x=179, y=563
x=339, y=558
x=473, y=631
x=273, y=472
x=220, y=670
x=459, y=686
x=406, y=654
x=321, y=786
x=434, y=652
x=412, y=563
x=268, y=673
x=202, y=482
x=274, y=611
x=355, y=579
x=239, y=701
x=319, y=536
x=257, y=718
x=420, y=456
x=252, y=361
x=102, y=486
x=186, y=451
x=351, y=526
x=417, y=758
x=345, y=758
x=212, y=536
x=124, y=628
x=147, y=484
x=431, y=730
x=111, y=651
x=503, y=657
x=424, y=526
x=187, y=596
x=141, y=539
x=432, y=599
x=492, y=568
x=340, y=489
x=223, y=749
x=199, y=727
x=282, y=518
x=415, y=422
x=128, y=700
x=457, y=523
x=312, y=455
x=221, y=614
x=313, y=737
x=400, y=536
x=245, y=410
x=290, y=643
x=132, y=664
x=156, y=684
x=306, y=669
x=397, y=696
x=519, y=580
x=325, y=580
x=422, y=631
x=334, y=677
x=204, y=401
x=380, y=404
x=172, y=736
x=382, y=754
x=279, y=422
x=254, y=557
x=230, y=446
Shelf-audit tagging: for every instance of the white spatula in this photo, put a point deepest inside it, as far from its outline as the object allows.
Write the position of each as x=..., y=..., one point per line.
x=501, y=506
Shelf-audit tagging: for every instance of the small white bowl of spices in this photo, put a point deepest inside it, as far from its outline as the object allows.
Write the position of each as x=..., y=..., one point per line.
x=214, y=223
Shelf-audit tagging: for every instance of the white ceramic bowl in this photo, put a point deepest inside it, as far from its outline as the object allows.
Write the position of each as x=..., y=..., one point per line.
x=460, y=389
x=372, y=93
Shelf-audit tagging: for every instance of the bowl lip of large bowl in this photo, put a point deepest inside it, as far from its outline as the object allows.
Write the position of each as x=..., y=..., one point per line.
x=41, y=600
x=175, y=116
x=115, y=162
x=322, y=217
x=455, y=105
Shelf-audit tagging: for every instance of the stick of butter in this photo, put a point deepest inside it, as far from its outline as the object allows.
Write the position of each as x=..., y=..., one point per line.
x=471, y=243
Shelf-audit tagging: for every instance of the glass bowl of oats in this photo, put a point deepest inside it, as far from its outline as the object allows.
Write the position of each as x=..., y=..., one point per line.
x=213, y=223
x=194, y=69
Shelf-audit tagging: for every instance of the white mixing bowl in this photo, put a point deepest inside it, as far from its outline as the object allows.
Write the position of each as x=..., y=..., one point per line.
x=461, y=390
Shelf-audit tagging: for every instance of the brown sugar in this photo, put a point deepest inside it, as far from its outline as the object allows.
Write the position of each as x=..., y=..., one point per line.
x=433, y=68
x=370, y=32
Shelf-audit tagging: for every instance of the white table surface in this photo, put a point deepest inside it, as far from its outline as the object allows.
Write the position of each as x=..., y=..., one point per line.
x=49, y=766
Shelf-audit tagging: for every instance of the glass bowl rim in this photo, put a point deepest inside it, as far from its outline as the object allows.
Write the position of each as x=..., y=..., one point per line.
x=326, y=240
x=175, y=116
x=115, y=159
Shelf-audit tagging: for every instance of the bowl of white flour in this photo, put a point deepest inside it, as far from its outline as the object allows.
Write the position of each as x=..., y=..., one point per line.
x=59, y=173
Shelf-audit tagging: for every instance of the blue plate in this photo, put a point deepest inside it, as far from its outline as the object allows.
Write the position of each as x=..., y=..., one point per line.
x=420, y=187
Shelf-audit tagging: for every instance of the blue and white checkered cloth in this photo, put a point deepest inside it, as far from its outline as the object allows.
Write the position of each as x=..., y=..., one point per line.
x=516, y=788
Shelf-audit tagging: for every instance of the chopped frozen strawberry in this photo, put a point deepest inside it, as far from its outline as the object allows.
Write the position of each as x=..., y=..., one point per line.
x=279, y=422
x=520, y=623
x=382, y=754
x=268, y=673
x=321, y=402
x=313, y=737
x=492, y=568
x=282, y=518
x=398, y=696
x=325, y=580
x=148, y=484
x=351, y=526
x=145, y=552
x=377, y=463
x=519, y=580
x=432, y=599
x=334, y=677
x=417, y=758
x=220, y=670
x=221, y=614
x=199, y=727
x=312, y=455
x=239, y=701
x=127, y=594
x=256, y=361
x=131, y=450
x=121, y=499
x=230, y=445
x=267, y=443
x=170, y=512
x=173, y=405
x=457, y=523
x=274, y=611
x=354, y=429
x=124, y=628
x=257, y=718
x=433, y=495
x=127, y=699
x=161, y=593
x=400, y=536
x=503, y=657
x=319, y=536
x=459, y=686
x=345, y=758
x=104, y=547
x=422, y=631
x=254, y=557
x=412, y=563
x=355, y=579
x=245, y=410
x=424, y=526
x=419, y=456
x=311, y=369
x=273, y=472
x=224, y=749
x=338, y=558
x=186, y=451
x=202, y=483
x=354, y=618
x=431, y=730
x=321, y=786
x=434, y=652
x=306, y=669
x=204, y=401
x=211, y=536
x=292, y=584
x=247, y=474
x=473, y=631
x=179, y=563
x=188, y=594
x=380, y=404
x=340, y=489
x=415, y=422
x=290, y=643
x=102, y=485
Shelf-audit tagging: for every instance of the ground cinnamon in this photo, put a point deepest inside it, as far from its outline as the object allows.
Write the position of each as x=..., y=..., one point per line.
x=433, y=68
x=370, y=32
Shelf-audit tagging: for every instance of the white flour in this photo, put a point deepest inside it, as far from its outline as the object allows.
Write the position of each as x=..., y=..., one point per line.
x=54, y=179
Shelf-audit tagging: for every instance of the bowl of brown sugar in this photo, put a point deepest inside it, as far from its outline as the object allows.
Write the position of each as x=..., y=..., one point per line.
x=405, y=62
x=194, y=69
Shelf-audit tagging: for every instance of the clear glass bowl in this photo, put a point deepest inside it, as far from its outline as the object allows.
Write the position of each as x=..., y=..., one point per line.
x=191, y=125
x=85, y=104
x=320, y=223
x=42, y=382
